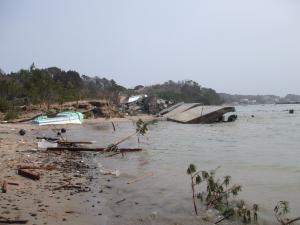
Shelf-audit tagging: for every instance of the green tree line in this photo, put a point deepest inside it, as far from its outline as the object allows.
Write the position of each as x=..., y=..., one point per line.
x=54, y=85
x=186, y=91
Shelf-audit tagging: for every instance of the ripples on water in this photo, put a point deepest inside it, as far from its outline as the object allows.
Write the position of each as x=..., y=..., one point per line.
x=261, y=153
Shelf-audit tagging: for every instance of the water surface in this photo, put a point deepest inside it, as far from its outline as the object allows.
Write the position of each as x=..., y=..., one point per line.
x=262, y=153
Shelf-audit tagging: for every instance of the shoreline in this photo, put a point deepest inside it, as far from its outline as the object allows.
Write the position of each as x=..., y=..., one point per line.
x=99, y=199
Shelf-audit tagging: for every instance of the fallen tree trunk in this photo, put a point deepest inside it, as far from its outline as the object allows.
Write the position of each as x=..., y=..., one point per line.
x=78, y=149
x=29, y=174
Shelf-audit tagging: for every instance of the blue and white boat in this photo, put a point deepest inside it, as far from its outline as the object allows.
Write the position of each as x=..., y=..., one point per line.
x=60, y=118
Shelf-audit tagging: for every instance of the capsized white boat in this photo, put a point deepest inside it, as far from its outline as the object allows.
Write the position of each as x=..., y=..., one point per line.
x=60, y=118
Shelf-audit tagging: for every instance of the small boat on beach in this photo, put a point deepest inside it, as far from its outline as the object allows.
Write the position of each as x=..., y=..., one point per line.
x=60, y=118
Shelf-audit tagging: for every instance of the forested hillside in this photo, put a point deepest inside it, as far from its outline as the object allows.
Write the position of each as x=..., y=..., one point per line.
x=186, y=91
x=54, y=85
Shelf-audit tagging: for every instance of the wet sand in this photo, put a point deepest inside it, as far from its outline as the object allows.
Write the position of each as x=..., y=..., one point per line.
x=75, y=192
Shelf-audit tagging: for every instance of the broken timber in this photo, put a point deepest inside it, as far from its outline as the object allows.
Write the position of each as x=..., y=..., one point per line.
x=29, y=174
x=79, y=149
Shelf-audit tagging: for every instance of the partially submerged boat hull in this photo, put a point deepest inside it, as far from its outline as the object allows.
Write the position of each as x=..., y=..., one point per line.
x=201, y=114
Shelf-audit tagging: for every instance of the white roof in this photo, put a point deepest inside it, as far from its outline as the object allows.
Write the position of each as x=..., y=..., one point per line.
x=135, y=98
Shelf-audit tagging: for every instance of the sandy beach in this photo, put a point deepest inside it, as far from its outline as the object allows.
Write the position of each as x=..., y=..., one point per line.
x=75, y=191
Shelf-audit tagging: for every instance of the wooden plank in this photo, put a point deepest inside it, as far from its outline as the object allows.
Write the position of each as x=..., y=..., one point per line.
x=29, y=174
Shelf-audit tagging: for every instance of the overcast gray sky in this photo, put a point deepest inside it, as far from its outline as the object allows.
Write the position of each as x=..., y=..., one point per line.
x=233, y=46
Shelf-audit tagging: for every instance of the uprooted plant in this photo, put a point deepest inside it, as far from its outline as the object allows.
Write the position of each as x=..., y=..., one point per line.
x=219, y=194
x=141, y=129
x=281, y=210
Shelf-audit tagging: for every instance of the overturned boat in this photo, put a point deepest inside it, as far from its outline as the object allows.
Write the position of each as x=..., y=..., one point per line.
x=202, y=114
x=60, y=118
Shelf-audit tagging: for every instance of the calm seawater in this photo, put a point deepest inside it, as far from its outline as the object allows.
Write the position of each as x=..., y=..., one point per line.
x=260, y=153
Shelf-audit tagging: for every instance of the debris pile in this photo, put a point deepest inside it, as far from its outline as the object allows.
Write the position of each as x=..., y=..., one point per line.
x=144, y=104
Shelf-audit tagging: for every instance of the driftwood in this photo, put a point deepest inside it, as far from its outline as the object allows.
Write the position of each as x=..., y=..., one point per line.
x=113, y=125
x=4, y=187
x=78, y=149
x=140, y=178
x=8, y=221
x=13, y=183
x=122, y=200
x=29, y=174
